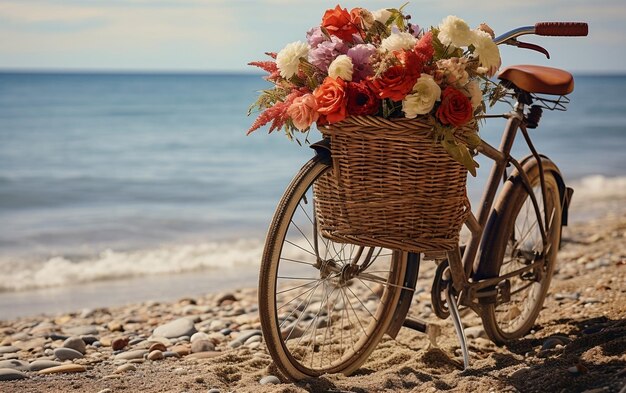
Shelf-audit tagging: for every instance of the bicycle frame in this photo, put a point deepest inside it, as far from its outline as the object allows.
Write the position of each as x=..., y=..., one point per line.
x=462, y=267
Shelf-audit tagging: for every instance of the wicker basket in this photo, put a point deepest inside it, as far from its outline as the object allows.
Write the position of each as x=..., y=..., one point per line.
x=391, y=186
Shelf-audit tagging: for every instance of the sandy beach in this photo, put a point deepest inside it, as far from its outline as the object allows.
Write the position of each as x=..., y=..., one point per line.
x=577, y=345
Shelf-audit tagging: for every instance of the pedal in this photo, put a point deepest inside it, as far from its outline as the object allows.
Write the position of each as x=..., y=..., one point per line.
x=458, y=326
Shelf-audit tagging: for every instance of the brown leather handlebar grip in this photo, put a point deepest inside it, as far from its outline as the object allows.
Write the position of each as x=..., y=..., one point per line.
x=562, y=28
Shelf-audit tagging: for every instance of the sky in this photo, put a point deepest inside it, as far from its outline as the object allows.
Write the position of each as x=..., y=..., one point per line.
x=224, y=35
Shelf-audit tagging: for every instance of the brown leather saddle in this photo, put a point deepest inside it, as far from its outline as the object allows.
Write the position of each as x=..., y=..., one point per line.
x=539, y=79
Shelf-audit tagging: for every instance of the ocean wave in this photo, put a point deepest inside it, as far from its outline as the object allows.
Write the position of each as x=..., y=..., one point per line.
x=114, y=265
x=598, y=188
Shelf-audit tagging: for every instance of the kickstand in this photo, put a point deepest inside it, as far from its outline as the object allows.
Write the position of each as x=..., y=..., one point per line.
x=458, y=326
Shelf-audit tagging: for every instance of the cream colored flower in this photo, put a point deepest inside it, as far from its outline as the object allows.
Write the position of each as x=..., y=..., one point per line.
x=474, y=93
x=341, y=67
x=454, y=31
x=421, y=101
x=398, y=41
x=288, y=59
x=382, y=15
x=487, y=52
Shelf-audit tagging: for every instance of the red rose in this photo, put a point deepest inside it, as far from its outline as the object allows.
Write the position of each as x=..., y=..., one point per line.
x=331, y=99
x=361, y=100
x=339, y=22
x=398, y=80
x=455, y=108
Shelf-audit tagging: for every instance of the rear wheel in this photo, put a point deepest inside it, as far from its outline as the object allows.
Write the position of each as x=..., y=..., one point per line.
x=324, y=306
x=516, y=244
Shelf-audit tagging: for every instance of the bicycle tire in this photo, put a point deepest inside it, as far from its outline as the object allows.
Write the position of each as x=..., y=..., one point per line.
x=305, y=353
x=508, y=321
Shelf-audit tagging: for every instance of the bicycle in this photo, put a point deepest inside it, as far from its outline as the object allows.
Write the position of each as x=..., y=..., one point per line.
x=324, y=306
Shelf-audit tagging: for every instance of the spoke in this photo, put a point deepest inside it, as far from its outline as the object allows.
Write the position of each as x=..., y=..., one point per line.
x=305, y=212
x=294, y=310
x=345, y=307
x=296, y=261
x=295, y=245
x=368, y=287
x=357, y=317
x=298, y=278
x=380, y=280
x=366, y=309
x=291, y=289
x=302, y=293
x=303, y=235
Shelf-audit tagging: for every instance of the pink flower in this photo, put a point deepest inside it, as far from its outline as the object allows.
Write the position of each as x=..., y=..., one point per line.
x=303, y=111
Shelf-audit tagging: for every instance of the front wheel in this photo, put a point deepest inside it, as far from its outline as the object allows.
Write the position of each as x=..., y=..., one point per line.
x=324, y=306
x=516, y=243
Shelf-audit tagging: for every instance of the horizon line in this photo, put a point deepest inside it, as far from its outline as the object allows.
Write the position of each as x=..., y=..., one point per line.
x=131, y=71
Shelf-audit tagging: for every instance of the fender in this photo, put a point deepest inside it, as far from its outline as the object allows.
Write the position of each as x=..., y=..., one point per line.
x=406, y=296
x=322, y=150
x=482, y=269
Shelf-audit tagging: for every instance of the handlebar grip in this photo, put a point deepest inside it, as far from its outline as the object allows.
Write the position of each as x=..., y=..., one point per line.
x=562, y=28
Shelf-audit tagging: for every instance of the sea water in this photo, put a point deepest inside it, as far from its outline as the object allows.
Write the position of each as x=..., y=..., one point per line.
x=146, y=185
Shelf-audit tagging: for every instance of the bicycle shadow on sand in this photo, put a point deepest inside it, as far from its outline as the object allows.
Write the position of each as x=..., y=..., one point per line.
x=597, y=345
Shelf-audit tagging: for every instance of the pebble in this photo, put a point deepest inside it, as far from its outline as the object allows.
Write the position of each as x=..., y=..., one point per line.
x=474, y=332
x=226, y=331
x=157, y=347
x=182, y=350
x=64, y=368
x=136, y=341
x=270, y=379
x=552, y=342
x=177, y=328
x=226, y=298
x=57, y=337
x=170, y=354
x=180, y=371
x=202, y=346
x=8, y=349
x=9, y=374
x=199, y=336
x=578, y=368
x=567, y=296
x=119, y=343
x=82, y=330
x=254, y=345
x=107, y=390
x=155, y=355
x=89, y=339
x=15, y=364
x=42, y=364
x=213, y=391
x=115, y=326
x=67, y=354
x=125, y=368
x=75, y=343
x=135, y=354
x=244, y=336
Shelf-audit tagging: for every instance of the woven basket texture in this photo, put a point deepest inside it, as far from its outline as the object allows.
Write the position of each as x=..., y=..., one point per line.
x=391, y=186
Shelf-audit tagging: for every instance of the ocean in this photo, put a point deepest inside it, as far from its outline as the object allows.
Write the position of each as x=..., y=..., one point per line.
x=124, y=187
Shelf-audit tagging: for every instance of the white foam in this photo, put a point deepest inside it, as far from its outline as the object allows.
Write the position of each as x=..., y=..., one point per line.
x=109, y=265
x=598, y=187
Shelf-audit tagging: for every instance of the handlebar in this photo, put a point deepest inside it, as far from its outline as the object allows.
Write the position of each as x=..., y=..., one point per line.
x=570, y=29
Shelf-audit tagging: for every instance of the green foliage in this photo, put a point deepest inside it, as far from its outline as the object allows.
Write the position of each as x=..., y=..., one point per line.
x=456, y=147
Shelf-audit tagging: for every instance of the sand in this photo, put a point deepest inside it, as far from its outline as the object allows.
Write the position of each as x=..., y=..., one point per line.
x=585, y=309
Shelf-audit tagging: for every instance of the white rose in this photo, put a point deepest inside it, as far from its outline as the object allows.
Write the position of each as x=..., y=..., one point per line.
x=474, y=92
x=398, y=41
x=454, y=31
x=382, y=15
x=422, y=100
x=288, y=59
x=341, y=67
x=487, y=52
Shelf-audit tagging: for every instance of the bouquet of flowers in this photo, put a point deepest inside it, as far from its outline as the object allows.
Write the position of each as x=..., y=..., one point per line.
x=363, y=63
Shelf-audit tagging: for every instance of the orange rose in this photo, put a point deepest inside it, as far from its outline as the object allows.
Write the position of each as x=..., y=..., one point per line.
x=330, y=97
x=398, y=80
x=455, y=108
x=340, y=23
